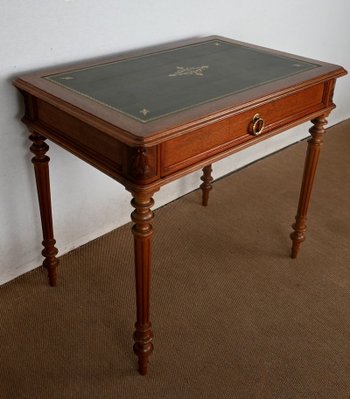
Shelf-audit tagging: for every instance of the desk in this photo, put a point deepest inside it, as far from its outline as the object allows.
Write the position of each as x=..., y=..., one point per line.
x=152, y=116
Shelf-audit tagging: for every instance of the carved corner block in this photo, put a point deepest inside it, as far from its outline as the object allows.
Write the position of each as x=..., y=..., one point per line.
x=142, y=164
x=329, y=93
x=30, y=108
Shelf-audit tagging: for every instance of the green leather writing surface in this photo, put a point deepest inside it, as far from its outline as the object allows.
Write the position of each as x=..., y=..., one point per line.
x=162, y=83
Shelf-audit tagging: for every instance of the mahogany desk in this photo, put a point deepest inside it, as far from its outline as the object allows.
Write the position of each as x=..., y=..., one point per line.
x=153, y=116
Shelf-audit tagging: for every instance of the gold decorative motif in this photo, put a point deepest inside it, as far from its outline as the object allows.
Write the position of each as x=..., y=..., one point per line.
x=145, y=111
x=67, y=78
x=197, y=71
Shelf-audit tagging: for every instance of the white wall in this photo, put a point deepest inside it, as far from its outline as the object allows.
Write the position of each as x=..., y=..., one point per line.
x=36, y=34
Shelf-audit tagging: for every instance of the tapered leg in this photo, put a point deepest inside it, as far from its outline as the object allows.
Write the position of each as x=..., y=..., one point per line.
x=206, y=186
x=142, y=217
x=41, y=166
x=312, y=156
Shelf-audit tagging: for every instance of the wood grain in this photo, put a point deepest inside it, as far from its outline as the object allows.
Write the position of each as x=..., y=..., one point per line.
x=311, y=161
x=145, y=156
x=142, y=230
x=41, y=166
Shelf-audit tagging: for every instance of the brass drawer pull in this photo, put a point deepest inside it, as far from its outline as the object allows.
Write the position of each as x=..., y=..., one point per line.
x=257, y=125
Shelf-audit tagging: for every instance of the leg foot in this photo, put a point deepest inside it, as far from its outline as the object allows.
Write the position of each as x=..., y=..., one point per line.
x=142, y=230
x=206, y=186
x=51, y=262
x=297, y=238
x=143, y=346
x=312, y=157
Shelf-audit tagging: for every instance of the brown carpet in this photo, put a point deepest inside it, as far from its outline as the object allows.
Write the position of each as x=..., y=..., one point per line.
x=233, y=315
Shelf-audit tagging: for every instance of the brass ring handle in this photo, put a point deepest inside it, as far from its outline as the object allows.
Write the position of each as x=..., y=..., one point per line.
x=257, y=125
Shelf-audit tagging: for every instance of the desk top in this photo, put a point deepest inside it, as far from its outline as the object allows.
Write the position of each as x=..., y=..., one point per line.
x=151, y=93
x=169, y=81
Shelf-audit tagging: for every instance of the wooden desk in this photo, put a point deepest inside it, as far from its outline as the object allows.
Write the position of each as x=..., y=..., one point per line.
x=153, y=116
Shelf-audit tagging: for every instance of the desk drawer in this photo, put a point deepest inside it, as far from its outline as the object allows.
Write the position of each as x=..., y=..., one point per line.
x=217, y=137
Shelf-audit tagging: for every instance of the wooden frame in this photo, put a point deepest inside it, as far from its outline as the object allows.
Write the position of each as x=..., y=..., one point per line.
x=145, y=156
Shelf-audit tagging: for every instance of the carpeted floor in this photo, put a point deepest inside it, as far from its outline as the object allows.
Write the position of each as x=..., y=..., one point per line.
x=233, y=315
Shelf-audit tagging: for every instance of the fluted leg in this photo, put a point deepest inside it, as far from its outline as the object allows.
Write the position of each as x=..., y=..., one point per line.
x=142, y=217
x=312, y=156
x=41, y=167
x=206, y=186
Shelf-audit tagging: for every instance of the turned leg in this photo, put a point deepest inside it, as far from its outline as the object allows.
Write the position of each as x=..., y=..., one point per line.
x=206, y=186
x=312, y=156
x=41, y=167
x=142, y=230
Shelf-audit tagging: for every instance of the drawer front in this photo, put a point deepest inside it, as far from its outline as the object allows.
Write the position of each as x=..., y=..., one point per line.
x=217, y=137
